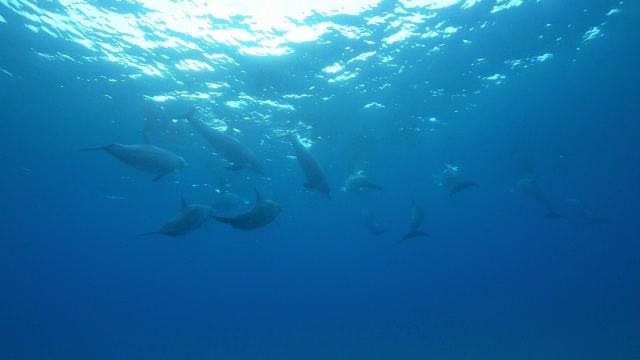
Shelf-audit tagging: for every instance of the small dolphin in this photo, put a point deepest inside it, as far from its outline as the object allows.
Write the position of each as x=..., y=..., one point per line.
x=190, y=217
x=459, y=186
x=235, y=152
x=358, y=181
x=417, y=216
x=371, y=225
x=310, y=167
x=145, y=157
x=531, y=188
x=262, y=213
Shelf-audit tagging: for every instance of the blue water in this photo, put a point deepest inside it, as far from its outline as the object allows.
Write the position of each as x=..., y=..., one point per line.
x=509, y=93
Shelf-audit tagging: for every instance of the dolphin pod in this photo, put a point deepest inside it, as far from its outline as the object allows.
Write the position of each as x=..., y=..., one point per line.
x=190, y=217
x=261, y=214
x=145, y=157
x=235, y=152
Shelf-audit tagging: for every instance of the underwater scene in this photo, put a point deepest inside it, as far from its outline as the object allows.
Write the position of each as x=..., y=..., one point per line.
x=354, y=179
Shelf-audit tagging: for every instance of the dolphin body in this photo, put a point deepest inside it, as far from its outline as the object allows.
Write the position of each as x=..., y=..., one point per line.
x=532, y=189
x=190, y=217
x=358, y=181
x=371, y=225
x=450, y=179
x=310, y=167
x=145, y=157
x=235, y=152
x=417, y=216
x=262, y=213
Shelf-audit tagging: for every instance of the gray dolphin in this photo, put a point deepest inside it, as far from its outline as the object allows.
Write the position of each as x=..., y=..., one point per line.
x=228, y=202
x=372, y=225
x=310, y=167
x=358, y=181
x=262, y=213
x=235, y=152
x=417, y=216
x=190, y=217
x=532, y=189
x=145, y=157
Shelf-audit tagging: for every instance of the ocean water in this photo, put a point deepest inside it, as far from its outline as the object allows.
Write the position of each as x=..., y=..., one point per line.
x=534, y=102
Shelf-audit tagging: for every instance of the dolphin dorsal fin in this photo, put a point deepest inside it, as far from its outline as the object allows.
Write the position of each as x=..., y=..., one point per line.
x=146, y=138
x=183, y=202
x=258, y=197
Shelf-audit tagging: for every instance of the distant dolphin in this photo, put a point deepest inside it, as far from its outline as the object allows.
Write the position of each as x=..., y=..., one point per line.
x=358, y=181
x=262, y=213
x=371, y=225
x=579, y=212
x=310, y=167
x=459, y=186
x=532, y=189
x=145, y=157
x=235, y=152
x=417, y=216
x=190, y=217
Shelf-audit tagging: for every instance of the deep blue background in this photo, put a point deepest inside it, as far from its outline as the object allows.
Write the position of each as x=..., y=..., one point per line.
x=494, y=280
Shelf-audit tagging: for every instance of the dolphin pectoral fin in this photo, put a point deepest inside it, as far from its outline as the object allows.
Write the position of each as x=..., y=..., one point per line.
x=308, y=185
x=223, y=220
x=461, y=186
x=183, y=202
x=158, y=177
x=373, y=186
x=234, y=167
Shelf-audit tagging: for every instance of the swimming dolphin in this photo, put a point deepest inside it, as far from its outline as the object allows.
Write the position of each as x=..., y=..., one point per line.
x=261, y=214
x=532, y=189
x=371, y=225
x=358, y=181
x=228, y=201
x=145, y=157
x=310, y=167
x=235, y=152
x=417, y=216
x=190, y=217
x=457, y=187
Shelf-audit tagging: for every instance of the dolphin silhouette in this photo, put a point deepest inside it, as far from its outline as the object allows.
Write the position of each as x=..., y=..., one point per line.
x=235, y=152
x=145, y=157
x=461, y=185
x=371, y=225
x=531, y=188
x=358, y=181
x=262, y=213
x=190, y=217
x=310, y=167
x=417, y=216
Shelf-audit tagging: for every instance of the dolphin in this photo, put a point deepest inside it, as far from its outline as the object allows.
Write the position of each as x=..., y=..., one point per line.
x=228, y=201
x=235, y=152
x=358, y=181
x=461, y=185
x=371, y=225
x=417, y=216
x=310, y=167
x=531, y=188
x=190, y=217
x=145, y=157
x=262, y=213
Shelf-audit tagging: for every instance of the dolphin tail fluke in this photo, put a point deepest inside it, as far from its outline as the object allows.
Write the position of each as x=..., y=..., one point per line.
x=413, y=234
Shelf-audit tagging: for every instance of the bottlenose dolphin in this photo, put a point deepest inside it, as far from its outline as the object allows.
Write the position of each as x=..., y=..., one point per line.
x=261, y=214
x=227, y=201
x=417, y=216
x=371, y=225
x=145, y=157
x=451, y=180
x=532, y=189
x=190, y=217
x=358, y=181
x=235, y=152
x=310, y=167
